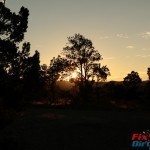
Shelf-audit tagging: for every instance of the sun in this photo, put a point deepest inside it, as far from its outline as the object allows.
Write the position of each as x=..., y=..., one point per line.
x=74, y=75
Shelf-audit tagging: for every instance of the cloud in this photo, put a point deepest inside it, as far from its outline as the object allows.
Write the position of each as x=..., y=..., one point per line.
x=144, y=49
x=145, y=35
x=109, y=58
x=143, y=56
x=119, y=35
x=130, y=47
x=124, y=36
x=105, y=37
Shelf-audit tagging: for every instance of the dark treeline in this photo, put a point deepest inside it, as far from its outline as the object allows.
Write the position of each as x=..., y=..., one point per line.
x=19, y=71
x=23, y=80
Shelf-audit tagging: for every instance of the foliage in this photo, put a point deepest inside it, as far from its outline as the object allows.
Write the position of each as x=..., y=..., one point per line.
x=32, y=79
x=132, y=84
x=101, y=73
x=132, y=80
x=23, y=78
x=58, y=68
x=18, y=70
x=84, y=57
x=13, y=26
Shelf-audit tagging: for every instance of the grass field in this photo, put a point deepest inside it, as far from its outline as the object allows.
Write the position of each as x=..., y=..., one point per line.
x=42, y=128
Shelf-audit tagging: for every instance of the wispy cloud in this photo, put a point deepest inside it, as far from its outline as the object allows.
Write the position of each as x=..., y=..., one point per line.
x=130, y=47
x=105, y=37
x=143, y=56
x=121, y=35
x=144, y=49
x=118, y=35
x=109, y=58
x=145, y=35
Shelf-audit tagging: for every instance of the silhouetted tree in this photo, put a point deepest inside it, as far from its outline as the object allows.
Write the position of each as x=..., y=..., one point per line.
x=148, y=73
x=132, y=82
x=32, y=76
x=44, y=68
x=22, y=62
x=32, y=72
x=17, y=67
x=58, y=68
x=101, y=73
x=84, y=56
x=132, y=79
x=12, y=29
x=44, y=75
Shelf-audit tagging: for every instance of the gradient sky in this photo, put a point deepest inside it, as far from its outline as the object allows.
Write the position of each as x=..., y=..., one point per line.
x=119, y=29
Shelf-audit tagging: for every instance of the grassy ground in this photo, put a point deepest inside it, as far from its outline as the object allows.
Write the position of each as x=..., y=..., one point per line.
x=42, y=128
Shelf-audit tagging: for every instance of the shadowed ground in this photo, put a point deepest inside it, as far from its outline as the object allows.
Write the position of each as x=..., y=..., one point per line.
x=42, y=128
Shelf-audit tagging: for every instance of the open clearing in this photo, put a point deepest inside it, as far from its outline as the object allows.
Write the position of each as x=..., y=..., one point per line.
x=42, y=128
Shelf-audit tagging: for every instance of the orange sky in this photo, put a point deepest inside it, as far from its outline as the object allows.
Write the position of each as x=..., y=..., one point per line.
x=119, y=29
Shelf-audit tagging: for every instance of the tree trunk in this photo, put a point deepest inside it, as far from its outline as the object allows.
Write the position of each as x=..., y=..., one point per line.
x=85, y=72
x=81, y=74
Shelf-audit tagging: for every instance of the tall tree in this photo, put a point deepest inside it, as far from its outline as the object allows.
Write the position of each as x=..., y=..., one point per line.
x=12, y=29
x=16, y=66
x=81, y=52
x=32, y=77
x=32, y=72
x=21, y=62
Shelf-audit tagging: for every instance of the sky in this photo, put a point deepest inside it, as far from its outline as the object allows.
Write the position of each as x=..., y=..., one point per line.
x=119, y=30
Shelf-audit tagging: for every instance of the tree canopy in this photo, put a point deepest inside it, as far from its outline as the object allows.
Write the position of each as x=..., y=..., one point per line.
x=12, y=29
x=132, y=79
x=19, y=71
x=81, y=52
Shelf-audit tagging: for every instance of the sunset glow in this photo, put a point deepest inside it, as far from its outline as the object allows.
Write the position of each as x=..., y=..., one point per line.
x=74, y=74
x=119, y=29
